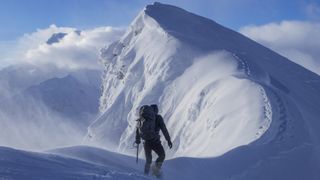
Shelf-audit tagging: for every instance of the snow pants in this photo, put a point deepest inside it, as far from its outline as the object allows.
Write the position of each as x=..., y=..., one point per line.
x=157, y=147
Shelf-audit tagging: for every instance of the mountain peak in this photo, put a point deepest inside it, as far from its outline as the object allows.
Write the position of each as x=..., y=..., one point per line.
x=56, y=37
x=176, y=19
x=216, y=89
x=198, y=31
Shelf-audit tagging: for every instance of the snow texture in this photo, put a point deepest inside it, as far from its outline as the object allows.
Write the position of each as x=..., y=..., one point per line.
x=234, y=109
x=219, y=92
x=17, y=164
x=37, y=105
x=44, y=105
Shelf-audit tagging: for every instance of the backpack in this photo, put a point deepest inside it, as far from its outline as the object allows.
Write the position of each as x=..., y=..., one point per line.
x=147, y=123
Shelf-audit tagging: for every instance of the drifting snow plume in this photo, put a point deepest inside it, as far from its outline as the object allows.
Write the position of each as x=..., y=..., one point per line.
x=207, y=103
x=221, y=94
x=28, y=124
x=217, y=90
x=216, y=111
x=50, y=94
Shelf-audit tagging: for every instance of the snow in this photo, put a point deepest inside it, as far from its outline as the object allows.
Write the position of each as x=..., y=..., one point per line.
x=83, y=162
x=67, y=96
x=211, y=114
x=195, y=89
x=17, y=164
x=221, y=95
x=46, y=101
x=36, y=107
x=42, y=101
x=234, y=109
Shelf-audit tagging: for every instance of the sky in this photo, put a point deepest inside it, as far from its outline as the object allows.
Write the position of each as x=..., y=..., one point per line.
x=18, y=17
x=289, y=27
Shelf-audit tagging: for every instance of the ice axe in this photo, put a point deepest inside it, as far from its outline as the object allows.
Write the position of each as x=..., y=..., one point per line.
x=137, y=159
x=137, y=146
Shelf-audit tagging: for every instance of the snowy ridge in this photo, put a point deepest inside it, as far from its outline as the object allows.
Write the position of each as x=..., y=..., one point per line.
x=234, y=109
x=221, y=94
x=193, y=88
x=82, y=162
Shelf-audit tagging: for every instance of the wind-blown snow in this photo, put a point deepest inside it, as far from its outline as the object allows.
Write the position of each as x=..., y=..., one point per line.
x=206, y=122
x=50, y=93
x=81, y=162
x=234, y=109
x=17, y=164
x=220, y=93
x=203, y=95
x=51, y=87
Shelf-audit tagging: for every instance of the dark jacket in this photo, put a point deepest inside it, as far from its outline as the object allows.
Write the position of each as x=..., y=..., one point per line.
x=160, y=125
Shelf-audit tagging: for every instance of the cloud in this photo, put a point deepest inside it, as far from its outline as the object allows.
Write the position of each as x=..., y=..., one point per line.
x=27, y=122
x=6, y=51
x=313, y=11
x=76, y=50
x=299, y=41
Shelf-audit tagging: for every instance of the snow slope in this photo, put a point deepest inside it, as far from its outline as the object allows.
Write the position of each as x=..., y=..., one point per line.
x=37, y=105
x=216, y=89
x=17, y=164
x=42, y=100
x=235, y=109
x=223, y=167
x=83, y=162
x=193, y=88
x=69, y=97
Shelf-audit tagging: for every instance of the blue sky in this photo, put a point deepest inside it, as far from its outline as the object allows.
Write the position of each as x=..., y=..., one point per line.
x=24, y=16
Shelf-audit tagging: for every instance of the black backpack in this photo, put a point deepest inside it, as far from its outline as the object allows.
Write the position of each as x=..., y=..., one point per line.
x=147, y=123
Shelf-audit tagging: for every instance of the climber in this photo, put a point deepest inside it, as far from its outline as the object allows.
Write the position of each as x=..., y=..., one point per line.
x=149, y=125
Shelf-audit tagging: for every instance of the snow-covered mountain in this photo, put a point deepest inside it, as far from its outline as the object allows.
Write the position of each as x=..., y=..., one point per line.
x=218, y=92
x=49, y=93
x=69, y=97
x=53, y=87
x=38, y=105
x=17, y=78
x=235, y=109
x=43, y=101
x=56, y=37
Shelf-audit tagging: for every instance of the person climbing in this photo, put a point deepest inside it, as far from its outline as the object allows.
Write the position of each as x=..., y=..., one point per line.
x=148, y=128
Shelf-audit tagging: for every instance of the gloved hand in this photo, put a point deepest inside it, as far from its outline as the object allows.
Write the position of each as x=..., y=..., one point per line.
x=137, y=141
x=170, y=144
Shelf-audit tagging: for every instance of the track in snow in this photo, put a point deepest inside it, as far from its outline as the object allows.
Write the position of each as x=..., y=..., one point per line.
x=267, y=108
